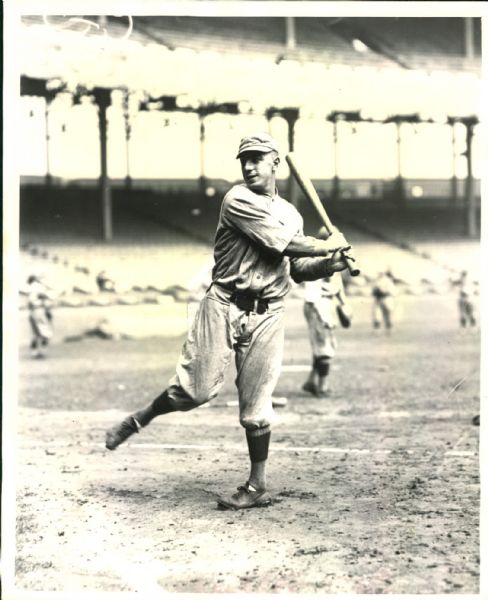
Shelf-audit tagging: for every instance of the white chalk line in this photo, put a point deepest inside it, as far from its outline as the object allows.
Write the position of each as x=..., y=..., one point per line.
x=143, y=578
x=304, y=449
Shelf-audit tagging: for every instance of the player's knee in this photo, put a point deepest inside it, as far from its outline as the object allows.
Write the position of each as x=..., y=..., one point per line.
x=185, y=399
x=251, y=424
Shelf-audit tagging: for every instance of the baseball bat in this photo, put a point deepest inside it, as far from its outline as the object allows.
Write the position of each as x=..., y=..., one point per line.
x=311, y=194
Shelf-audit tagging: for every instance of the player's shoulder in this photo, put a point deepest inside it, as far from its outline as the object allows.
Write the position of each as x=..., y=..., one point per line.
x=240, y=197
x=239, y=191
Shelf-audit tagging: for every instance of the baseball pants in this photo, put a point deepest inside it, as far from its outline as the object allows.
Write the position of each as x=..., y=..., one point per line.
x=383, y=310
x=322, y=338
x=219, y=330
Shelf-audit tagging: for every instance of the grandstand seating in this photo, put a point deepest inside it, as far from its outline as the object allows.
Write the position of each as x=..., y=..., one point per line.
x=430, y=43
x=160, y=247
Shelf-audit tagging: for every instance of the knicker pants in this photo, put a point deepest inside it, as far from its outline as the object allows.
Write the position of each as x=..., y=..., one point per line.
x=220, y=330
x=322, y=337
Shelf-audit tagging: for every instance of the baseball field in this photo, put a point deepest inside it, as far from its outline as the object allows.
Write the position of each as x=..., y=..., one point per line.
x=375, y=488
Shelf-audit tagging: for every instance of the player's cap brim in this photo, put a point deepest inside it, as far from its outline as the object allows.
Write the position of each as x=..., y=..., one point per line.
x=255, y=148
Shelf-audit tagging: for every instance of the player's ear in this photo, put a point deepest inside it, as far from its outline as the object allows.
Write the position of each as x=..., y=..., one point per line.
x=276, y=162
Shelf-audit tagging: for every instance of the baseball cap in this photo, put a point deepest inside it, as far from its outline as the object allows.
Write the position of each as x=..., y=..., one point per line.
x=259, y=142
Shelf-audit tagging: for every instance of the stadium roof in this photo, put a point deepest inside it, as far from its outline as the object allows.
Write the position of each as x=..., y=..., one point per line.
x=316, y=64
x=430, y=43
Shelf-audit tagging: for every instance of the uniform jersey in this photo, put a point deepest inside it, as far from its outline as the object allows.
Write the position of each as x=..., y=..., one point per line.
x=252, y=232
x=383, y=287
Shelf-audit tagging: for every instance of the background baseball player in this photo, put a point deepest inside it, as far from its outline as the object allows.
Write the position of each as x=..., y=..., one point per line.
x=322, y=300
x=383, y=292
x=465, y=299
x=39, y=304
x=259, y=244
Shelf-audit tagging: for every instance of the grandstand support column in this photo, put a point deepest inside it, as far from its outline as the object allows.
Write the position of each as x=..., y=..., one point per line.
x=103, y=100
x=291, y=40
x=454, y=183
x=470, y=200
x=468, y=38
x=202, y=179
x=336, y=188
x=47, y=108
x=399, y=184
x=128, y=131
x=291, y=117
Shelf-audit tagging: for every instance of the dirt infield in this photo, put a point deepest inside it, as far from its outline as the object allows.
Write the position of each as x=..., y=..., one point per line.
x=376, y=488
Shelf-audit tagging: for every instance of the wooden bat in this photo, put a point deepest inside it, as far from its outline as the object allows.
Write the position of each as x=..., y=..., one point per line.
x=311, y=194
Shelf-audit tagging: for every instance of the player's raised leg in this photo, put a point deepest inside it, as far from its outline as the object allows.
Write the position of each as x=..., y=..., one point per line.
x=199, y=373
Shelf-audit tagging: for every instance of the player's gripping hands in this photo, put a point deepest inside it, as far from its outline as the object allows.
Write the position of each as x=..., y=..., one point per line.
x=338, y=245
x=336, y=241
x=337, y=262
x=303, y=245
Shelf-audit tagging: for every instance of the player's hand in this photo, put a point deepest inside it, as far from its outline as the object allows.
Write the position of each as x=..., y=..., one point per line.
x=336, y=241
x=337, y=261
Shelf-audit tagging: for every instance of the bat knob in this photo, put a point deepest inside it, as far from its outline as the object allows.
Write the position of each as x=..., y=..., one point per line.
x=351, y=267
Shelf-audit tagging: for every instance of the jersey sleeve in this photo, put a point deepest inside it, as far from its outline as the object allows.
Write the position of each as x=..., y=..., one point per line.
x=308, y=268
x=250, y=214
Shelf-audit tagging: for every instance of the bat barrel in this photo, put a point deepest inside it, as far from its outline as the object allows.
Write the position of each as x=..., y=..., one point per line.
x=311, y=194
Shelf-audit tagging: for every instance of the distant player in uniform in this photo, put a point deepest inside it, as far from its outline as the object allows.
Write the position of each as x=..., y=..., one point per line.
x=321, y=300
x=259, y=244
x=383, y=292
x=39, y=304
x=465, y=299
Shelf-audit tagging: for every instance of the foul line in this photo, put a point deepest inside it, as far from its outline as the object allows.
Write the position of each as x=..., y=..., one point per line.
x=323, y=449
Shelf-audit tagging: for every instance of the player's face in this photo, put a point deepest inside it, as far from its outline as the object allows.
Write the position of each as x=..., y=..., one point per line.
x=258, y=170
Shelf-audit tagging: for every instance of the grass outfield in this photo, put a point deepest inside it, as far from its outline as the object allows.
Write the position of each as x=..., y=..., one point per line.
x=376, y=488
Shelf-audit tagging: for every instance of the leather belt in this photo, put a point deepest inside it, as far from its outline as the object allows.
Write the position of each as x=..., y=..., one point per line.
x=250, y=303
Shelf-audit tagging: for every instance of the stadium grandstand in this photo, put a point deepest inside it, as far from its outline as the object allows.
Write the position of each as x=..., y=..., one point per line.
x=132, y=123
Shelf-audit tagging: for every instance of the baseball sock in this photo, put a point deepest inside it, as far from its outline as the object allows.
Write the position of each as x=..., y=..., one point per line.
x=159, y=406
x=323, y=365
x=258, y=445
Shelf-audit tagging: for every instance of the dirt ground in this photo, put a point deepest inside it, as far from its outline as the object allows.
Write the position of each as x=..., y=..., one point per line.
x=375, y=489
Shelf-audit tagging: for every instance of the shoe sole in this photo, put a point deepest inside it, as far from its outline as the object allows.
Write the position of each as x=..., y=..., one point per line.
x=258, y=504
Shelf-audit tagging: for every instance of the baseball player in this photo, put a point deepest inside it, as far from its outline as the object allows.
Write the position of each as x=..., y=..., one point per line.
x=465, y=299
x=259, y=244
x=321, y=299
x=39, y=303
x=383, y=292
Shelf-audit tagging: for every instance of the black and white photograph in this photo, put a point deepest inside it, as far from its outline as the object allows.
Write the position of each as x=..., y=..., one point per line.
x=242, y=309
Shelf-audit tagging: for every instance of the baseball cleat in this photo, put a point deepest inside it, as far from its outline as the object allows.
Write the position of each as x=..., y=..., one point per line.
x=119, y=433
x=309, y=387
x=246, y=497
